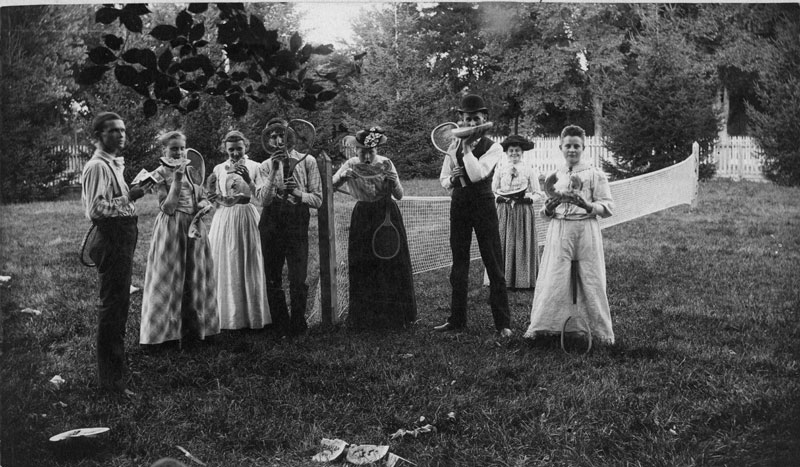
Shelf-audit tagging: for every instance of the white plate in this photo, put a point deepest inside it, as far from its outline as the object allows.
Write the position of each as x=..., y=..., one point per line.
x=79, y=432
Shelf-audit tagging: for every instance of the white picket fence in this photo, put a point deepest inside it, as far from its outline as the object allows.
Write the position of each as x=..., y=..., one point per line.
x=739, y=158
x=547, y=157
x=736, y=157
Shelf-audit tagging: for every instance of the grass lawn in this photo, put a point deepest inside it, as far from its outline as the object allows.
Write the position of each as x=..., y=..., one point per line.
x=705, y=369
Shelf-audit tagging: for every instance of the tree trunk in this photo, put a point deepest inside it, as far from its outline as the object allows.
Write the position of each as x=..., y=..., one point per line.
x=723, y=109
x=597, y=112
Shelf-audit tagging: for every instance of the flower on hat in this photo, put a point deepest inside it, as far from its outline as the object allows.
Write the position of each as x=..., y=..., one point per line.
x=372, y=139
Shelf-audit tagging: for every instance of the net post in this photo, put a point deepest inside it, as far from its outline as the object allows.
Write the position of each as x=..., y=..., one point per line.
x=327, y=243
x=696, y=155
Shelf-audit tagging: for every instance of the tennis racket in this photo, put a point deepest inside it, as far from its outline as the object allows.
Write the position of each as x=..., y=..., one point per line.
x=87, y=245
x=442, y=137
x=386, y=238
x=289, y=140
x=198, y=165
x=302, y=142
x=574, y=288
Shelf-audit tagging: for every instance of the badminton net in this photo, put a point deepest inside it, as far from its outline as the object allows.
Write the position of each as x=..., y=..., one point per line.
x=426, y=219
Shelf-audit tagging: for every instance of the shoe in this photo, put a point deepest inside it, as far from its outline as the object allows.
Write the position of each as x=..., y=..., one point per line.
x=506, y=333
x=448, y=326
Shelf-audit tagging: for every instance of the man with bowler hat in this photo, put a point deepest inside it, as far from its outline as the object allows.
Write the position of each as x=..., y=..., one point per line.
x=467, y=173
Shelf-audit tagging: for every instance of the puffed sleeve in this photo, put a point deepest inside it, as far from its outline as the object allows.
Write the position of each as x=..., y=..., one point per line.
x=602, y=202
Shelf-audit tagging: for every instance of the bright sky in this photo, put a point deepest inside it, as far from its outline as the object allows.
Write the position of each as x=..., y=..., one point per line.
x=329, y=23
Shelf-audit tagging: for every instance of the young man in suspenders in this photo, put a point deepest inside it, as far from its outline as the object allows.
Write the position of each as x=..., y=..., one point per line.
x=108, y=203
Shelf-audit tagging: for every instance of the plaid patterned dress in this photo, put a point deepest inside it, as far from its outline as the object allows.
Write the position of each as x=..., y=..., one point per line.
x=517, y=224
x=179, y=287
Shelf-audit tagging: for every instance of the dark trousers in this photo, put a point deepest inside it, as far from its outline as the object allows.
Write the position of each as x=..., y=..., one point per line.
x=114, y=259
x=284, y=239
x=470, y=209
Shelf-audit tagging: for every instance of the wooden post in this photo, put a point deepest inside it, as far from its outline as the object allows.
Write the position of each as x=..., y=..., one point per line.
x=696, y=155
x=329, y=305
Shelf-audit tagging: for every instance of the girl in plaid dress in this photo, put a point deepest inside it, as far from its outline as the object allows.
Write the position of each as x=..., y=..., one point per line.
x=516, y=185
x=179, y=288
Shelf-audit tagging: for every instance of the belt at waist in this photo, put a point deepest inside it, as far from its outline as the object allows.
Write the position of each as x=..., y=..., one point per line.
x=116, y=220
x=243, y=201
x=573, y=217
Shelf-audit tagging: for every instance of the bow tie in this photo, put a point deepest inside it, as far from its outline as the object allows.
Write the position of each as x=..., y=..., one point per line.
x=119, y=162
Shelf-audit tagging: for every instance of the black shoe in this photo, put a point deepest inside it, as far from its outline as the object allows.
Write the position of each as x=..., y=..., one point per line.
x=448, y=326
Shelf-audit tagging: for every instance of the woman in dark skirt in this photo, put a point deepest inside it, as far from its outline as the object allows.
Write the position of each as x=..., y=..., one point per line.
x=381, y=286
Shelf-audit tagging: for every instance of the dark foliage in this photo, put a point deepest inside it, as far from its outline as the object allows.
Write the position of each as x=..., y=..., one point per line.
x=776, y=126
x=180, y=72
x=662, y=107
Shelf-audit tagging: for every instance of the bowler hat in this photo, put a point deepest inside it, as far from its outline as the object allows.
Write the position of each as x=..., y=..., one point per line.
x=370, y=138
x=517, y=140
x=472, y=103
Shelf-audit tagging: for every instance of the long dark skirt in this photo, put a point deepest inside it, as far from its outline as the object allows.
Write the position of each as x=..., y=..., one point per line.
x=381, y=291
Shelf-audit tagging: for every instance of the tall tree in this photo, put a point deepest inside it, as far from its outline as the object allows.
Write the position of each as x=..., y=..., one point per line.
x=38, y=44
x=663, y=103
x=538, y=68
x=776, y=126
x=396, y=88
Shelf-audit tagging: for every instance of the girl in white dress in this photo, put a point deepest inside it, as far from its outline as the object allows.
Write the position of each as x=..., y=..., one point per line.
x=235, y=241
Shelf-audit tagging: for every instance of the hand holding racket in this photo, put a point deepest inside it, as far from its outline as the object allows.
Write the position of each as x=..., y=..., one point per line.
x=442, y=138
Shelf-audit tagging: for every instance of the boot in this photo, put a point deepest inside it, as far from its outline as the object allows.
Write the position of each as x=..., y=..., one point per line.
x=299, y=297
x=278, y=309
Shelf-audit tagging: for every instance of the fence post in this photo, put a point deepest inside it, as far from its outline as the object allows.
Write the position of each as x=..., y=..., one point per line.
x=696, y=155
x=740, y=159
x=327, y=244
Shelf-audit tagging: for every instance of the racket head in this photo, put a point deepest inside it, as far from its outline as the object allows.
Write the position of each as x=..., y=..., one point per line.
x=567, y=336
x=88, y=240
x=386, y=241
x=305, y=135
x=289, y=139
x=442, y=136
x=198, y=163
